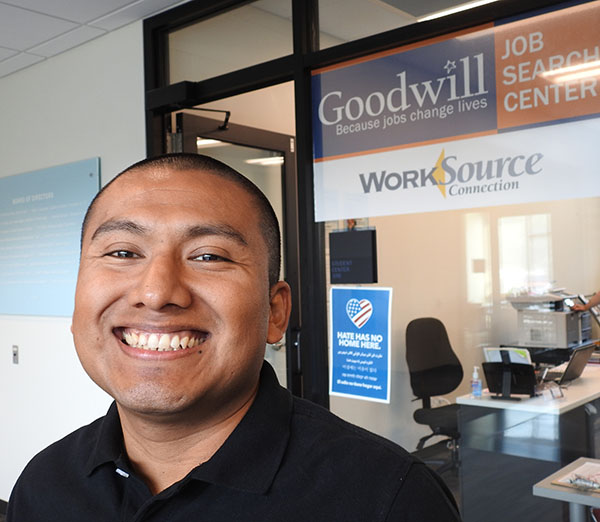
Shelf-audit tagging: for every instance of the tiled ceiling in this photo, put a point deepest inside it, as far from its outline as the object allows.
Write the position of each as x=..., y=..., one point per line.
x=33, y=30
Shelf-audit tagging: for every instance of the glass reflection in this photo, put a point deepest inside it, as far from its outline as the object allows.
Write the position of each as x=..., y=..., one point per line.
x=525, y=254
x=478, y=255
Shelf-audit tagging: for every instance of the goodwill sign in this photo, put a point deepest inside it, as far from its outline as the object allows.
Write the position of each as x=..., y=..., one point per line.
x=500, y=114
x=360, y=341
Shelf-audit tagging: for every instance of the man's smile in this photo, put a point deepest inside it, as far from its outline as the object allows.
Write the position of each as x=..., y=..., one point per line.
x=161, y=341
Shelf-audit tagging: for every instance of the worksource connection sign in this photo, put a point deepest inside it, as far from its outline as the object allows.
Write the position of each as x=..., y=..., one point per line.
x=360, y=342
x=40, y=223
x=500, y=114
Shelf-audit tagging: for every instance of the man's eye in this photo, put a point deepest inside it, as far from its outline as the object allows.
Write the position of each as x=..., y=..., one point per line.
x=122, y=254
x=209, y=257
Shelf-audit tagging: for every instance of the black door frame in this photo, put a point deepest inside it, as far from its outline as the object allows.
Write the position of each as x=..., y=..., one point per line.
x=190, y=126
x=162, y=99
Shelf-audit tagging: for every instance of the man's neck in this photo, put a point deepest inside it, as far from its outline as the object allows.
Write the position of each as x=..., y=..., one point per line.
x=164, y=452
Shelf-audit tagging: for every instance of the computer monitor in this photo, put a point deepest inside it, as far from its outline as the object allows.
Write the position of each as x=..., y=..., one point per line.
x=574, y=369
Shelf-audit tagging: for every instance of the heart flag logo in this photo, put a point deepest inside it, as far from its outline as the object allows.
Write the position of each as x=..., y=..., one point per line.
x=359, y=312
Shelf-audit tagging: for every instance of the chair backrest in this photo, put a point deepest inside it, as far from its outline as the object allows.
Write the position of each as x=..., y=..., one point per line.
x=433, y=365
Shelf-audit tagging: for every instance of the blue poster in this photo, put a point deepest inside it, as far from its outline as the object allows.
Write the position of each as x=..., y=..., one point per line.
x=360, y=343
x=40, y=222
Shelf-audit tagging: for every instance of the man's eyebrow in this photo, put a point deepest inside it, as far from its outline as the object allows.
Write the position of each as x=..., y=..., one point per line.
x=216, y=230
x=194, y=231
x=123, y=225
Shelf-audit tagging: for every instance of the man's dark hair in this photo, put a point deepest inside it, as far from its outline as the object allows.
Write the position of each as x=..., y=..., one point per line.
x=269, y=224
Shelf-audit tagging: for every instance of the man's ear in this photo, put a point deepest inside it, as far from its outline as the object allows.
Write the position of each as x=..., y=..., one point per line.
x=281, y=306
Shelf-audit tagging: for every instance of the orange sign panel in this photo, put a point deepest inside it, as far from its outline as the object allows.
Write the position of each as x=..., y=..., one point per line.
x=548, y=67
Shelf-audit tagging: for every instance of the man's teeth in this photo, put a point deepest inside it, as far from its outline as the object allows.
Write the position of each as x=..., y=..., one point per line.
x=161, y=342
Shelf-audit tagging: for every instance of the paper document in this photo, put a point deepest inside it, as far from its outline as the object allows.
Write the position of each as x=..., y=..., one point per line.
x=586, y=476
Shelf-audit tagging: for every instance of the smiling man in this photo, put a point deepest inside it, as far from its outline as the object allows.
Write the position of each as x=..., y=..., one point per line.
x=178, y=293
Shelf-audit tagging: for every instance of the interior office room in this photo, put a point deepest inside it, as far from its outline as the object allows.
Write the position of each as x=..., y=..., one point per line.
x=124, y=83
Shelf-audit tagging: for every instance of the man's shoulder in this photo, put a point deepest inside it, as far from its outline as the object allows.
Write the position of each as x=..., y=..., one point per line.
x=55, y=476
x=365, y=472
x=319, y=428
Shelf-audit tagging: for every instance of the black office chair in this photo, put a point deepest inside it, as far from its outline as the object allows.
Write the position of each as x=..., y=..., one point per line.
x=434, y=370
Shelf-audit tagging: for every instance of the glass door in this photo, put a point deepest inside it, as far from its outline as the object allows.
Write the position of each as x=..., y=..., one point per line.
x=268, y=160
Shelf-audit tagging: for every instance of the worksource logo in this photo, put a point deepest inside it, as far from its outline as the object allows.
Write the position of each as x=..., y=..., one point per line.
x=454, y=177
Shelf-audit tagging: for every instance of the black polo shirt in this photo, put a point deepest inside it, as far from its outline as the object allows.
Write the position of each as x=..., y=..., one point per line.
x=288, y=460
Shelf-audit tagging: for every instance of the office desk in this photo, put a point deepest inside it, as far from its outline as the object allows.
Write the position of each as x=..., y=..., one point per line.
x=577, y=499
x=507, y=446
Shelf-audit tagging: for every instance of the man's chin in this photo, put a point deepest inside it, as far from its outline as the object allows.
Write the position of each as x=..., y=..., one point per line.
x=152, y=401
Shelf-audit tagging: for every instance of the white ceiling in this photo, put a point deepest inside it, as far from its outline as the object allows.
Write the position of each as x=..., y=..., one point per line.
x=33, y=30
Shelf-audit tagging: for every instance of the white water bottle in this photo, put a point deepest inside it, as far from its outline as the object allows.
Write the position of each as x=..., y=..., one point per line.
x=475, y=383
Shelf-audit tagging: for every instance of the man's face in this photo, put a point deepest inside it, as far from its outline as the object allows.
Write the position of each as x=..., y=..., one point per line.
x=173, y=306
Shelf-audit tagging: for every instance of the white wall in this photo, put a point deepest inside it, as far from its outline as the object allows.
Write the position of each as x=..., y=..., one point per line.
x=84, y=103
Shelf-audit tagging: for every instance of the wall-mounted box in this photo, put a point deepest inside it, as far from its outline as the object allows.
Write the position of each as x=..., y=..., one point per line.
x=353, y=257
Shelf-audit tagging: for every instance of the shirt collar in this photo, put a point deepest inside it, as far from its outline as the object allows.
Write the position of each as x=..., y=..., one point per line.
x=250, y=457
x=108, y=446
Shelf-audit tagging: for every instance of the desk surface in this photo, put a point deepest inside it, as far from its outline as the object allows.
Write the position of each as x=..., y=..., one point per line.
x=578, y=392
x=545, y=488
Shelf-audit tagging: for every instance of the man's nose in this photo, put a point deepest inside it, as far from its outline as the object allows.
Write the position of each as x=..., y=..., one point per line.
x=161, y=283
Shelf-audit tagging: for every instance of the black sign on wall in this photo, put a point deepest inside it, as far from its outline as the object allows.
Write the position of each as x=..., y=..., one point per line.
x=353, y=257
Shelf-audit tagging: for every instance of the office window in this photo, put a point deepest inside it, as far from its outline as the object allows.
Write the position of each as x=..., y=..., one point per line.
x=478, y=258
x=249, y=35
x=525, y=251
x=346, y=20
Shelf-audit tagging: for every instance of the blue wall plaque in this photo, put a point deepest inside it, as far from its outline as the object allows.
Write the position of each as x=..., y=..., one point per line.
x=40, y=223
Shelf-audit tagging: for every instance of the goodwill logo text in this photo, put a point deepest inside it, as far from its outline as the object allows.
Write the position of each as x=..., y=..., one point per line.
x=446, y=95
